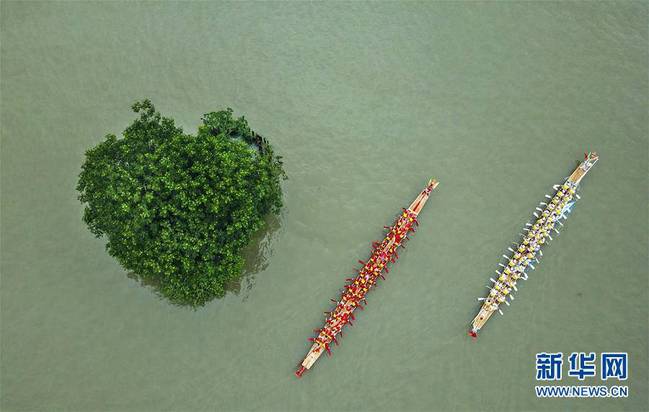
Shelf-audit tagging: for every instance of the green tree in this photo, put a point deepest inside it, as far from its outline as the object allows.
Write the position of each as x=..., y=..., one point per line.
x=177, y=209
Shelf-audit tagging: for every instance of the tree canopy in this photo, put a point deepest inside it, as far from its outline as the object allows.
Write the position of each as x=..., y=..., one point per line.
x=177, y=209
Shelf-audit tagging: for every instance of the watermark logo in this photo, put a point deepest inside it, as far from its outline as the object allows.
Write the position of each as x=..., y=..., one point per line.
x=548, y=366
x=582, y=365
x=615, y=365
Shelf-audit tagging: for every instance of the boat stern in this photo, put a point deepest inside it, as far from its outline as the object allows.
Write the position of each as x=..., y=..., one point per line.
x=418, y=204
x=300, y=371
x=314, y=353
x=584, y=167
x=478, y=322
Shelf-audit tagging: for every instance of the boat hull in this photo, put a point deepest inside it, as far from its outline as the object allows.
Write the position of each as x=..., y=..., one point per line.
x=529, y=249
x=383, y=253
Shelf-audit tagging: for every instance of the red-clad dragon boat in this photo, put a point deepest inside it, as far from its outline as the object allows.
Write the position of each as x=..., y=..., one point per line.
x=353, y=297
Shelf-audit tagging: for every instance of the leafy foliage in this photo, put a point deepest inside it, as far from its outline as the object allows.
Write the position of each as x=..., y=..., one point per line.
x=177, y=209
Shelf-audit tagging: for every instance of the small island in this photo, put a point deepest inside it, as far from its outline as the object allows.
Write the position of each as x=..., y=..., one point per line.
x=177, y=209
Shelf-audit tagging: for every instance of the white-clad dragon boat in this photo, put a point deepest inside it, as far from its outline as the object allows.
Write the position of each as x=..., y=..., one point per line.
x=547, y=215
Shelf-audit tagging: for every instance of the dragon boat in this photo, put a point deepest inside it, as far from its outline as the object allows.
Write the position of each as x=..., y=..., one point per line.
x=353, y=295
x=547, y=215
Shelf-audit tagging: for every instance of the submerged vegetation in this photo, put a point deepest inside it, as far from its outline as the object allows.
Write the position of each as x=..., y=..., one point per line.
x=177, y=209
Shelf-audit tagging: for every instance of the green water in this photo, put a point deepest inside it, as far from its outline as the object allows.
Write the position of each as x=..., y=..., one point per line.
x=366, y=102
